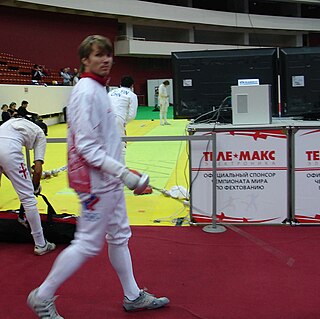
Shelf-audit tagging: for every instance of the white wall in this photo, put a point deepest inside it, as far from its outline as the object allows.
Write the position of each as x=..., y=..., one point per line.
x=136, y=47
x=42, y=99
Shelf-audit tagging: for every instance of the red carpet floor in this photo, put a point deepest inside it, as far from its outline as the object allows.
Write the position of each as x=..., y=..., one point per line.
x=248, y=272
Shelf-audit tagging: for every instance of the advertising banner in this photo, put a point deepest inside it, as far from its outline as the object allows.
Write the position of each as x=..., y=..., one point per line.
x=251, y=177
x=307, y=175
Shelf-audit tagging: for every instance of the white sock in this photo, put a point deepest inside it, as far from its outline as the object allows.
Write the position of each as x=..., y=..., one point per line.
x=34, y=221
x=120, y=259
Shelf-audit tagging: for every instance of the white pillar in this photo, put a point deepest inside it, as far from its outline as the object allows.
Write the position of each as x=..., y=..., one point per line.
x=299, y=40
x=191, y=35
x=129, y=30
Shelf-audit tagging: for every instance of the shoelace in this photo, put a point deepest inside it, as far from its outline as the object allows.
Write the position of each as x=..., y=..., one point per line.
x=48, y=309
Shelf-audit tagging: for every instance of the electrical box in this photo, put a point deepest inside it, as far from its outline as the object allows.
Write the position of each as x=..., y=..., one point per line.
x=251, y=104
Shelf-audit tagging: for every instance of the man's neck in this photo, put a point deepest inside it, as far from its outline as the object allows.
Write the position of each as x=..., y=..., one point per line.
x=95, y=77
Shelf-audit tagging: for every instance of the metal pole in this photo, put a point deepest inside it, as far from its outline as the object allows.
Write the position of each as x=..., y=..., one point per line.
x=292, y=181
x=213, y=227
x=28, y=160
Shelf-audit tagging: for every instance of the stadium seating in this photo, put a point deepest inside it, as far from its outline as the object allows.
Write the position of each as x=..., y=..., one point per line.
x=18, y=71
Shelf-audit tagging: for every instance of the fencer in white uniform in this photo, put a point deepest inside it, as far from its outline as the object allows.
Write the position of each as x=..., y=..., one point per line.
x=125, y=104
x=163, y=100
x=14, y=134
x=96, y=173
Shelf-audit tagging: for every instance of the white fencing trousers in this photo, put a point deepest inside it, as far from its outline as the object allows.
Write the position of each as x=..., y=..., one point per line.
x=12, y=163
x=102, y=218
x=163, y=110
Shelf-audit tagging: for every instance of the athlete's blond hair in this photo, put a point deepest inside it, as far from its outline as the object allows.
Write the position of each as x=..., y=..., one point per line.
x=85, y=47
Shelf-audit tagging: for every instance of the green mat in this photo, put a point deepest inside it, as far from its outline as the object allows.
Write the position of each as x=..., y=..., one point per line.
x=147, y=113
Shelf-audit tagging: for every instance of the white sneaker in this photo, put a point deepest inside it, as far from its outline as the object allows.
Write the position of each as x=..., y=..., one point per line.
x=47, y=248
x=144, y=301
x=44, y=309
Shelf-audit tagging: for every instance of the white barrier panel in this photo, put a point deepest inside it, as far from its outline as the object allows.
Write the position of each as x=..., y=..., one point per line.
x=43, y=100
x=251, y=168
x=307, y=175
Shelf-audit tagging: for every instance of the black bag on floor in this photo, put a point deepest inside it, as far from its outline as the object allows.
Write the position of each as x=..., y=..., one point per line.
x=11, y=231
x=57, y=228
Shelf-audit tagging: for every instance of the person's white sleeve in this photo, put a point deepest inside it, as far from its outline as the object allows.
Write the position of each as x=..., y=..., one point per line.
x=88, y=142
x=133, y=106
x=87, y=138
x=85, y=126
x=113, y=167
x=39, y=149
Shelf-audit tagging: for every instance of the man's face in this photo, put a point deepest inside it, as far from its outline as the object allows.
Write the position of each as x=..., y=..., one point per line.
x=99, y=62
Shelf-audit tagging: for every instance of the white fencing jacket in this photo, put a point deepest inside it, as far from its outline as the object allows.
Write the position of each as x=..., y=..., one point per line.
x=124, y=103
x=163, y=98
x=27, y=134
x=94, y=144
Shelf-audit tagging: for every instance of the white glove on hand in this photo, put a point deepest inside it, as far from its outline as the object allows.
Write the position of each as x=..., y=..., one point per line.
x=130, y=179
x=37, y=190
x=135, y=182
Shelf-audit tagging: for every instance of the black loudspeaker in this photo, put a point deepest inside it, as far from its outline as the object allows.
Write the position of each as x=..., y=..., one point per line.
x=300, y=82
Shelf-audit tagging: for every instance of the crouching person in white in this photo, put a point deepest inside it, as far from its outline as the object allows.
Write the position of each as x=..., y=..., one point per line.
x=14, y=134
x=97, y=174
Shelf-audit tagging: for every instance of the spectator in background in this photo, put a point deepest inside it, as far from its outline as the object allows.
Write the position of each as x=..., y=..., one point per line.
x=5, y=115
x=163, y=101
x=124, y=103
x=36, y=74
x=23, y=112
x=13, y=109
x=75, y=76
x=66, y=76
x=44, y=71
x=34, y=117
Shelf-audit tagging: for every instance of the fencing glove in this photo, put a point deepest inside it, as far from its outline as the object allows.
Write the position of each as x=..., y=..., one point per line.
x=37, y=190
x=137, y=182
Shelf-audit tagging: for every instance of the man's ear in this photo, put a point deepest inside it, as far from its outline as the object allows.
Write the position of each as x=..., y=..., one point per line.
x=84, y=61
